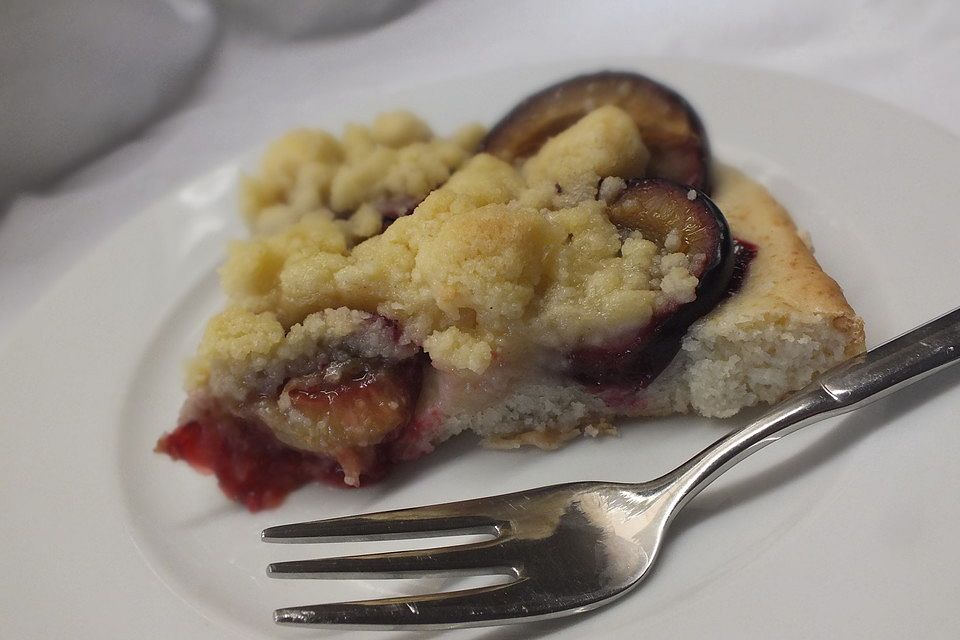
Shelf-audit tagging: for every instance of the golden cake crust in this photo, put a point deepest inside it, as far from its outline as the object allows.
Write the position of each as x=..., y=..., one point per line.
x=785, y=278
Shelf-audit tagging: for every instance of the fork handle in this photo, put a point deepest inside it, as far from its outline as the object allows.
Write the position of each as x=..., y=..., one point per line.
x=848, y=386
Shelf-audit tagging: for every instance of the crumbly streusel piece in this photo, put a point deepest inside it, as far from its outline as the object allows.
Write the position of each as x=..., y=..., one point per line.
x=366, y=175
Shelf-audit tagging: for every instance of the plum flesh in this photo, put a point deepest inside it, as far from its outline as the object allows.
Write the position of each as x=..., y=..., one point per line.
x=655, y=207
x=670, y=128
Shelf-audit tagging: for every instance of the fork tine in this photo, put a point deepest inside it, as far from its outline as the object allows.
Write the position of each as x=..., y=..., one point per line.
x=464, y=559
x=419, y=522
x=467, y=608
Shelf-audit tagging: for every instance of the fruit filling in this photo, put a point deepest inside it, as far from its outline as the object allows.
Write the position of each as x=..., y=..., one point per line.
x=251, y=465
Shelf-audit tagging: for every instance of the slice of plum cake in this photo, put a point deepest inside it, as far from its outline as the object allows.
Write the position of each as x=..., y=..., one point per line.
x=560, y=280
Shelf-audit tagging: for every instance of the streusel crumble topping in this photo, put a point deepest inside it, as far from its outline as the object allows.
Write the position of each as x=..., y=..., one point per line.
x=535, y=266
x=370, y=173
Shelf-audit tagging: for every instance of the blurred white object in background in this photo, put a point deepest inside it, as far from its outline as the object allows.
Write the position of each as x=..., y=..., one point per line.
x=77, y=77
x=297, y=18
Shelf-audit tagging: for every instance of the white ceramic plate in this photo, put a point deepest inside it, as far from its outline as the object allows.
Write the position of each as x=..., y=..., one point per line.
x=846, y=529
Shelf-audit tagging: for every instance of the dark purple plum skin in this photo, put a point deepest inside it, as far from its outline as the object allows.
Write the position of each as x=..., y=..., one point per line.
x=637, y=357
x=670, y=127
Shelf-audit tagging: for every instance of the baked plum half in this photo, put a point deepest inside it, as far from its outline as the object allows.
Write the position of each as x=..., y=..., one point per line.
x=670, y=128
x=656, y=207
x=359, y=400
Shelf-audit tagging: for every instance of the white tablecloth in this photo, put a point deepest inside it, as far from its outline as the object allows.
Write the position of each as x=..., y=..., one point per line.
x=256, y=85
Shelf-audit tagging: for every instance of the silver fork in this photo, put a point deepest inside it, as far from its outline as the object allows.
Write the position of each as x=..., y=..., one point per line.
x=574, y=547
